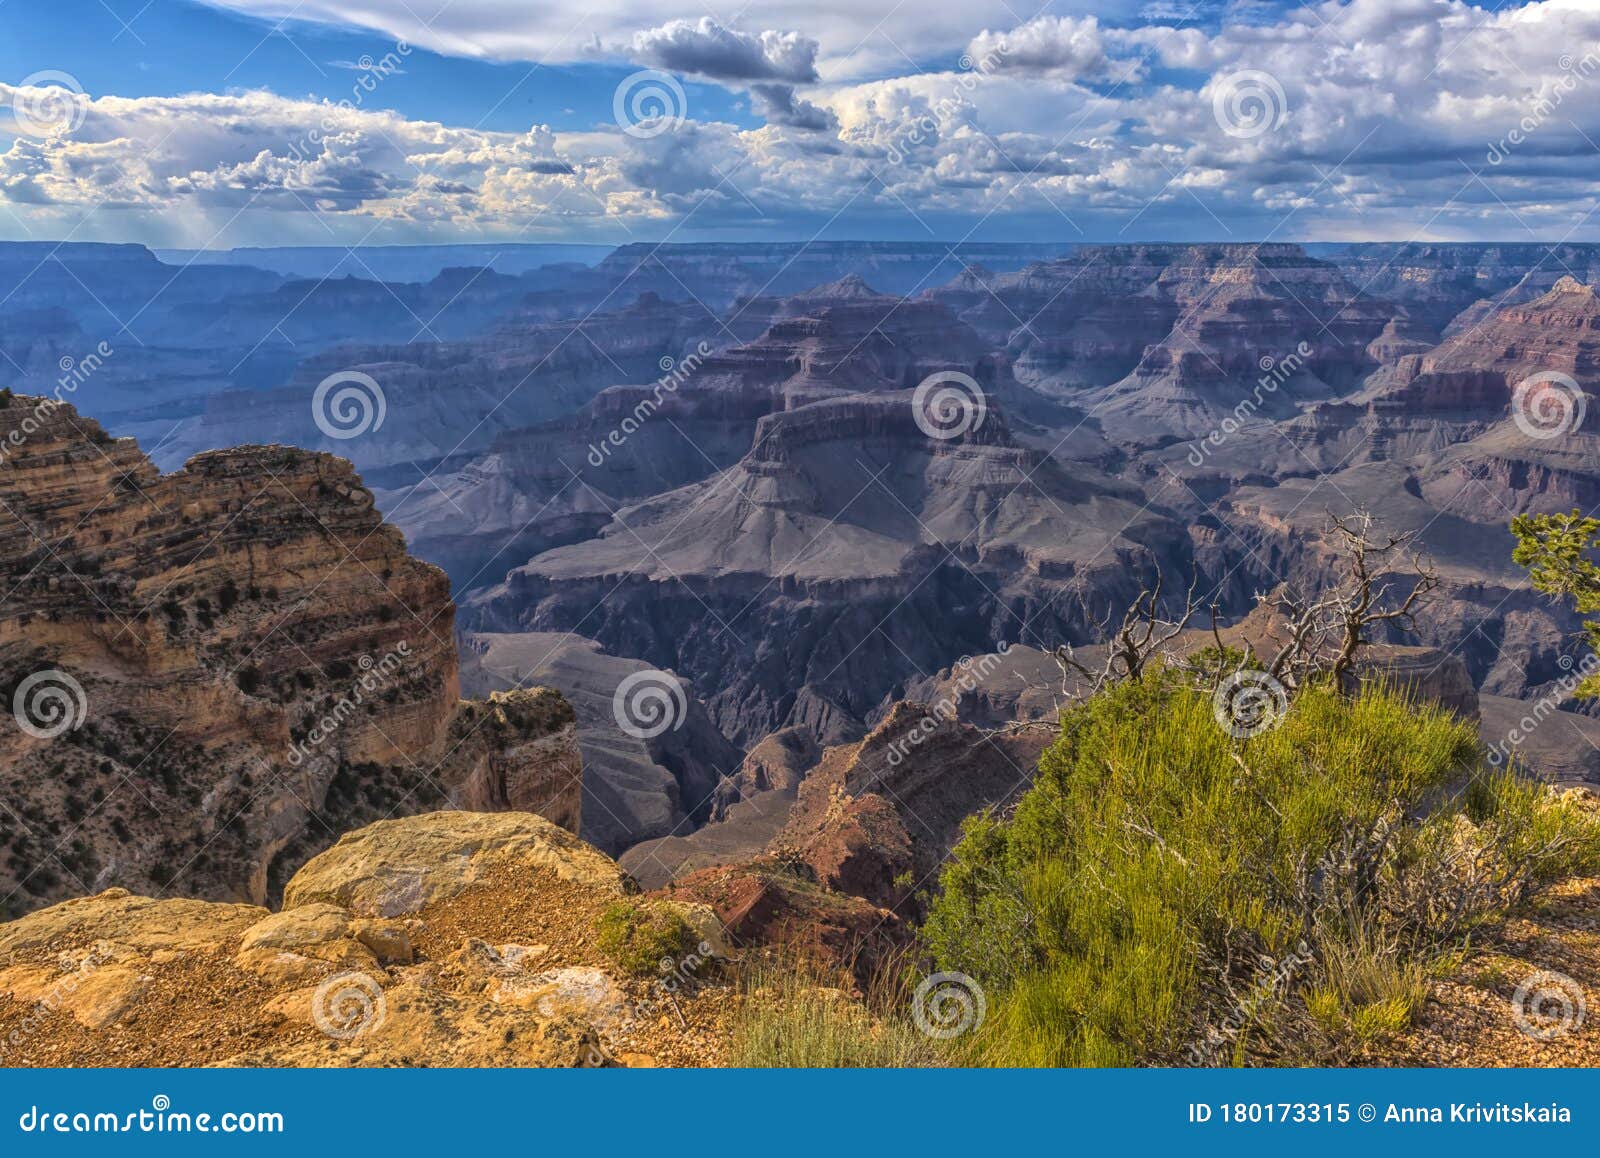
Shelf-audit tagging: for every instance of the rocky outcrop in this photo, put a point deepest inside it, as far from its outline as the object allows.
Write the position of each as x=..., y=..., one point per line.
x=779, y=763
x=398, y=867
x=635, y=787
x=895, y=801
x=770, y=902
x=449, y=939
x=865, y=830
x=214, y=671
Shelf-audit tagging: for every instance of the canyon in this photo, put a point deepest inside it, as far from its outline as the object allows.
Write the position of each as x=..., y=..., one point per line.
x=721, y=466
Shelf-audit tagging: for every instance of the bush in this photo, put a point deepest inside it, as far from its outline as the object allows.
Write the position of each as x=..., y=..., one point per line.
x=1166, y=893
x=639, y=936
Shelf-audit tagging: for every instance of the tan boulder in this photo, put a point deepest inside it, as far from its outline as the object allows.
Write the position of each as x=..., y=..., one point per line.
x=395, y=867
x=131, y=924
x=300, y=945
x=95, y=995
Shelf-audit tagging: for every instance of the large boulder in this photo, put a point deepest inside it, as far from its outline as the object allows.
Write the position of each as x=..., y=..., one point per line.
x=395, y=867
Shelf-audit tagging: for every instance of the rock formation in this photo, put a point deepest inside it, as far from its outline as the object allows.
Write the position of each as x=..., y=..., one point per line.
x=635, y=787
x=213, y=672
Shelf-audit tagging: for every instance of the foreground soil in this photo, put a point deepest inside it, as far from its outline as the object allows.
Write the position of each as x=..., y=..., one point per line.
x=491, y=960
x=1527, y=995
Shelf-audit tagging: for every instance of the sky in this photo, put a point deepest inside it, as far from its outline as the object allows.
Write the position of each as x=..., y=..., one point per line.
x=225, y=123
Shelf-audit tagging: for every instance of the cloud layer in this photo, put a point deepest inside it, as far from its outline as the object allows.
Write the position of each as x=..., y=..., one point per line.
x=1373, y=118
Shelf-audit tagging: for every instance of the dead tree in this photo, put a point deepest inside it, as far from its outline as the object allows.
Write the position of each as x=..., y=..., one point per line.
x=1324, y=635
x=1142, y=637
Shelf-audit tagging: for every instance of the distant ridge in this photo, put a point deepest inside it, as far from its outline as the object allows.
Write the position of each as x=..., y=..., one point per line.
x=389, y=262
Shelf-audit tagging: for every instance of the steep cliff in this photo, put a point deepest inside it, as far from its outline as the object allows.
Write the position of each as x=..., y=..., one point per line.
x=215, y=671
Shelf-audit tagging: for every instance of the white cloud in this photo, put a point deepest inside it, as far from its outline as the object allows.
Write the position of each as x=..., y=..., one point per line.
x=1388, y=108
x=1064, y=46
x=706, y=48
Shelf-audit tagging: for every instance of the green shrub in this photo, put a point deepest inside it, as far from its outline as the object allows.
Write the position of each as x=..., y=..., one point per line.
x=639, y=936
x=1167, y=893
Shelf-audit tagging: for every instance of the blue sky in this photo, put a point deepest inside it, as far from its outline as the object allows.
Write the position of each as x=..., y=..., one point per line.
x=187, y=124
x=167, y=47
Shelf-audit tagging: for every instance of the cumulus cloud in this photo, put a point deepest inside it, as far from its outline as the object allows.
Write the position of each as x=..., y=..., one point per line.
x=706, y=48
x=779, y=105
x=1064, y=46
x=1386, y=118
